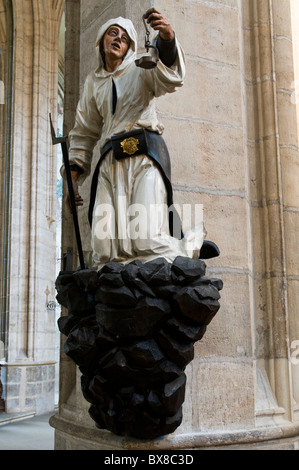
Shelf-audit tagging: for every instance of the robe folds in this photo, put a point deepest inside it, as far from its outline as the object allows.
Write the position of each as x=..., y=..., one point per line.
x=130, y=212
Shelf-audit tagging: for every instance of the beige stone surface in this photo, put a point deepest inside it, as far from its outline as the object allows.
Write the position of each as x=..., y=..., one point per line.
x=207, y=32
x=226, y=223
x=215, y=154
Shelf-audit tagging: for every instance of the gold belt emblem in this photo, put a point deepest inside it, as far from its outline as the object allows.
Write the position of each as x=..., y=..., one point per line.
x=130, y=145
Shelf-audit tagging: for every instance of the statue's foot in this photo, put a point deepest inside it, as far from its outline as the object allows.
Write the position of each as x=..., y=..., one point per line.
x=209, y=250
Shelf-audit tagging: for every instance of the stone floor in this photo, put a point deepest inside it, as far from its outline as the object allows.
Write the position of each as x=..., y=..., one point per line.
x=26, y=433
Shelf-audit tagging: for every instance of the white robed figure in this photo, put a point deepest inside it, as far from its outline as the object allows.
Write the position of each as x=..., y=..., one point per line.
x=131, y=193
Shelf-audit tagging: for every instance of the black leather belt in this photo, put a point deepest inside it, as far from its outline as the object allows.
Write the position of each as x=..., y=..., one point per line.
x=106, y=148
x=131, y=144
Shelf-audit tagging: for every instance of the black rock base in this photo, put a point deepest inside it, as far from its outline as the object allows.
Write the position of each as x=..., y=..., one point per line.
x=131, y=329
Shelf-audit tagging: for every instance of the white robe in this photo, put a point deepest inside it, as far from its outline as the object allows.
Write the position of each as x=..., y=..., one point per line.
x=133, y=180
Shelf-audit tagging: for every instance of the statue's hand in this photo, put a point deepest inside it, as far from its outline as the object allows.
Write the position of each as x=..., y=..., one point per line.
x=159, y=23
x=78, y=198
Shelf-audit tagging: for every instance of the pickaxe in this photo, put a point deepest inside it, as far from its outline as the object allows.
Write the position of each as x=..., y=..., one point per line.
x=63, y=142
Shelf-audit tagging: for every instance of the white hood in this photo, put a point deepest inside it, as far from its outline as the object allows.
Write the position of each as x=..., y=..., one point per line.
x=128, y=26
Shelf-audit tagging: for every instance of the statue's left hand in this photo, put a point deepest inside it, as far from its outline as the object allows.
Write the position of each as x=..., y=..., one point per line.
x=78, y=199
x=159, y=23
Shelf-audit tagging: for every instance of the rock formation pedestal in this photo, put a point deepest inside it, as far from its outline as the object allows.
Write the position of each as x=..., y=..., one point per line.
x=131, y=329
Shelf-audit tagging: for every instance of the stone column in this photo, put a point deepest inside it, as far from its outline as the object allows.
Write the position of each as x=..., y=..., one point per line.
x=6, y=67
x=231, y=135
x=30, y=361
x=71, y=97
x=273, y=148
x=291, y=171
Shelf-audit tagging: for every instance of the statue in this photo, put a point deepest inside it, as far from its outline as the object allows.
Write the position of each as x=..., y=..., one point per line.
x=134, y=316
x=117, y=107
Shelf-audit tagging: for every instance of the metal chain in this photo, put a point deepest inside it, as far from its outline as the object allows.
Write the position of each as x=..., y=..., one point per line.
x=147, y=37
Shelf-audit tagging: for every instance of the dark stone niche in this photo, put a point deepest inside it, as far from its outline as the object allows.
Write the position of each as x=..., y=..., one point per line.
x=131, y=329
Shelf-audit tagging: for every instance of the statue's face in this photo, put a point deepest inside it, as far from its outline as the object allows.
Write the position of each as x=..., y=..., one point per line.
x=116, y=42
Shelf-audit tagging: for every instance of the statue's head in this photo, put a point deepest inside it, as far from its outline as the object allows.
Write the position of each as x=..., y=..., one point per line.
x=115, y=42
x=117, y=37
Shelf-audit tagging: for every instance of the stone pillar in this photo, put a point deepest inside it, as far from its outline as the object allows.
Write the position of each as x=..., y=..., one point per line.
x=207, y=153
x=273, y=150
x=71, y=97
x=6, y=67
x=291, y=171
x=31, y=326
x=232, y=134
